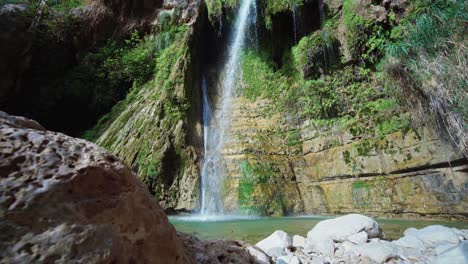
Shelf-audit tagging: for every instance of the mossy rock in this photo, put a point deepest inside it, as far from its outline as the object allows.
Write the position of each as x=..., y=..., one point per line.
x=316, y=54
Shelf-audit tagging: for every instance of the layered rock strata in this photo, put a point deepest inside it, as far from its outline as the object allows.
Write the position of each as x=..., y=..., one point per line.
x=278, y=167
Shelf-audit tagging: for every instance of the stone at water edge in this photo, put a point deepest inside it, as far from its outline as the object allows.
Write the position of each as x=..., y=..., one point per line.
x=340, y=228
x=66, y=199
x=275, y=243
x=434, y=235
x=259, y=255
x=298, y=241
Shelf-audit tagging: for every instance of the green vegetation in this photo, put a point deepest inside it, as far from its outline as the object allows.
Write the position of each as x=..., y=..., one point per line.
x=259, y=187
x=273, y=7
x=365, y=37
x=360, y=185
x=315, y=54
x=57, y=5
x=215, y=7
x=137, y=61
x=427, y=66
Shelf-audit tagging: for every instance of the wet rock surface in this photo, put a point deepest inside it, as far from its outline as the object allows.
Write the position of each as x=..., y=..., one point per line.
x=432, y=244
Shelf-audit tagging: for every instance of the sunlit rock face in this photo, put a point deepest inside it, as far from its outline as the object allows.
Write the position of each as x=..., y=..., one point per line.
x=68, y=200
x=276, y=167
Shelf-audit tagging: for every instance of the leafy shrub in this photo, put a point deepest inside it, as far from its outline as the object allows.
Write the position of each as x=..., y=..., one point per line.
x=365, y=38
x=428, y=66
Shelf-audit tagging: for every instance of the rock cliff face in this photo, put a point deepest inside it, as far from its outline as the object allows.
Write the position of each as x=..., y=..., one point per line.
x=285, y=162
x=66, y=200
x=280, y=168
x=159, y=131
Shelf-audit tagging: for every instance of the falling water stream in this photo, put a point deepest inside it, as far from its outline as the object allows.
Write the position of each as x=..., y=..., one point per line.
x=294, y=22
x=217, y=119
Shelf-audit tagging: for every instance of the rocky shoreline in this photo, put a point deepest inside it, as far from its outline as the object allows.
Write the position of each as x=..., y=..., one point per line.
x=357, y=238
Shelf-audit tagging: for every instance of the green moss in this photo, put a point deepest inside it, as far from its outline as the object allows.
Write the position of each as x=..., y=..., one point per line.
x=274, y=7
x=393, y=124
x=360, y=190
x=258, y=189
x=315, y=54
x=293, y=138
x=215, y=7
x=347, y=157
x=365, y=38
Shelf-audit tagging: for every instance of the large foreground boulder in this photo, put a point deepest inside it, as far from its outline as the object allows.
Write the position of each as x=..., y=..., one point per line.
x=65, y=200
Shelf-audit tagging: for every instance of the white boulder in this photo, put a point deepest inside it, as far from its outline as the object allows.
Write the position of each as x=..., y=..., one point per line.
x=457, y=255
x=275, y=244
x=325, y=247
x=434, y=235
x=359, y=238
x=340, y=228
x=298, y=241
x=260, y=256
x=379, y=252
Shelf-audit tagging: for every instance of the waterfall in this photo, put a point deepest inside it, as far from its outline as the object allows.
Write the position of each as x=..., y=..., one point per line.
x=294, y=22
x=217, y=122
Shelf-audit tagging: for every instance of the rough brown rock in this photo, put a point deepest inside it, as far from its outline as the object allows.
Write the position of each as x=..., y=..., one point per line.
x=65, y=200
x=219, y=251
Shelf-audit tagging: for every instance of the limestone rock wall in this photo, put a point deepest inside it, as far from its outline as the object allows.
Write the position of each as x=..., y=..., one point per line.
x=278, y=167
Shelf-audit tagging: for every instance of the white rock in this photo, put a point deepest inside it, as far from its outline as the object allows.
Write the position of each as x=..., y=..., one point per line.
x=326, y=247
x=340, y=228
x=260, y=256
x=283, y=260
x=316, y=260
x=461, y=235
x=378, y=252
x=276, y=252
x=294, y=260
x=409, y=230
x=443, y=248
x=347, y=246
x=435, y=235
x=457, y=255
x=275, y=243
x=359, y=238
x=298, y=241
x=409, y=242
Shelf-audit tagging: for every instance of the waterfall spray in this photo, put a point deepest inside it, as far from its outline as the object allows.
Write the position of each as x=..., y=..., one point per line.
x=216, y=123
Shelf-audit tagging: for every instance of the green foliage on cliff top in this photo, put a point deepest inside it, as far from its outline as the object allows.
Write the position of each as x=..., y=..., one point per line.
x=428, y=66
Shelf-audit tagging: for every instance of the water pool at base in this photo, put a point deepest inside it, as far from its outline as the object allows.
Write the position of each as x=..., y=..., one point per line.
x=252, y=230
